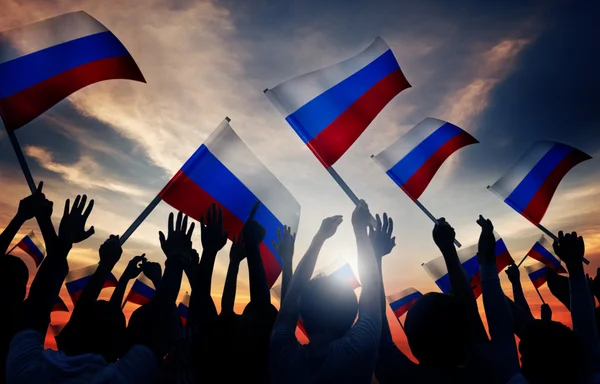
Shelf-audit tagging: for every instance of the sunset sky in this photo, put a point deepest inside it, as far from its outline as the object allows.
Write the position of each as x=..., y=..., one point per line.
x=509, y=74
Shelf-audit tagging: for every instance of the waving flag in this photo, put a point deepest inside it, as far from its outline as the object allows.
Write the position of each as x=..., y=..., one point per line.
x=530, y=184
x=141, y=291
x=59, y=306
x=341, y=270
x=538, y=274
x=468, y=258
x=183, y=308
x=225, y=172
x=402, y=301
x=44, y=62
x=540, y=252
x=330, y=108
x=414, y=158
x=33, y=247
x=77, y=280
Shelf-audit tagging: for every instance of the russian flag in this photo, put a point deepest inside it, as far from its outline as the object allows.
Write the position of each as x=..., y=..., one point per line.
x=530, y=184
x=401, y=302
x=77, y=280
x=538, y=274
x=183, y=308
x=413, y=160
x=345, y=274
x=59, y=306
x=468, y=258
x=540, y=252
x=33, y=247
x=225, y=172
x=44, y=62
x=141, y=291
x=330, y=108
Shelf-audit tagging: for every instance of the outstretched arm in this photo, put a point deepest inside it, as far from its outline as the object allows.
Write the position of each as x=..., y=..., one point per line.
x=571, y=249
x=514, y=276
x=202, y=307
x=253, y=234
x=443, y=235
x=133, y=270
x=499, y=316
x=285, y=250
x=29, y=207
x=236, y=255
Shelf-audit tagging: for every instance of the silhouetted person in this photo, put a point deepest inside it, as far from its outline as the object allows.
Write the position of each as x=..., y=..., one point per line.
x=544, y=342
x=337, y=351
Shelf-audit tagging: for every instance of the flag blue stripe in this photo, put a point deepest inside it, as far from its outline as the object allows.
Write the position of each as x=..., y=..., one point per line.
x=537, y=274
x=403, y=301
x=31, y=245
x=539, y=248
x=26, y=71
x=206, y=171
x=142, y=289
x=313, y=117
x=182, y=310
x=471, y=268
x=77, y=285
x=409, y=164
x=527, y=188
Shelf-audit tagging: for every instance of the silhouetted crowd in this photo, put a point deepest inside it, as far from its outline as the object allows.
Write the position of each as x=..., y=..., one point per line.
x=349, y=338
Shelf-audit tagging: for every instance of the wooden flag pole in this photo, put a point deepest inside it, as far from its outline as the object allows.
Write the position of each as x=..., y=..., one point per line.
x=139, y=219
x=418, y=203
x=546, y=231
x=21, y=158
x=540, y=295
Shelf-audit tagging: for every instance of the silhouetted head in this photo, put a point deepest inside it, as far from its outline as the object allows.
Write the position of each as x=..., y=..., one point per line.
x=328, y=307
x=98, y=328
x=143, y=323
x=13, y=280
x=437, y=331
x=551, y=353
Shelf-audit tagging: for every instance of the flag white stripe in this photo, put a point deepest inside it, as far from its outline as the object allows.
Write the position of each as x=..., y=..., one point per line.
x=231, y=151
x=534, y=267
x=294, y=93
x=81, y=272
x=390, y=156
x=401, y=294
x=47, y=33
x=511, y=179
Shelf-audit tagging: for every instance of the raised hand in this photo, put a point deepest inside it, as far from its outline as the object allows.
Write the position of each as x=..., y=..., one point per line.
x=361, y=217
x=443, y=234
x=72, y=225
x=381, y=236
x=178, y=243
x=329, y=226
x=111, y=251
x=546, y=312
x=153, y=271
x=486, y=253
x=237, y=253
x=253, y=233
x=134, y=267
x=285, y=244
x=513, y=273
x=211, y=230
x=34, y=205
x=570, y=248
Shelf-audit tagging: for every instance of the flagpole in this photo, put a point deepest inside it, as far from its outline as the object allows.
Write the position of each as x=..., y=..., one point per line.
x=418, y=203
x=21, y=158
x=346, y=188
x=545, y=230
x=522, y=260
x=12, y=249
x=401, y=326
x=140, y=219
x=540, y=295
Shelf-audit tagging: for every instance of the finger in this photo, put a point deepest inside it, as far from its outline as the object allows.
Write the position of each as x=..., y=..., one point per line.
x=207, y=217
x=202, y=225
x=378, y=224
x=191, y=230
x=278, y=236
x=385, y=222
x=178, y=222
x=161, y=238
x=561, y=236
x=184, y=223
x=89, y=233
x=253, y=211
x=170, y=228
x=274, y=244
x=390, y=226
x=82, y=203
x=76, y=202
x=574, y=234
x=214, y=218
x=220, y=218
x=294, y=238
x=67, y=207
x=393, y=241
x=88, y=210
x=40, y=187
